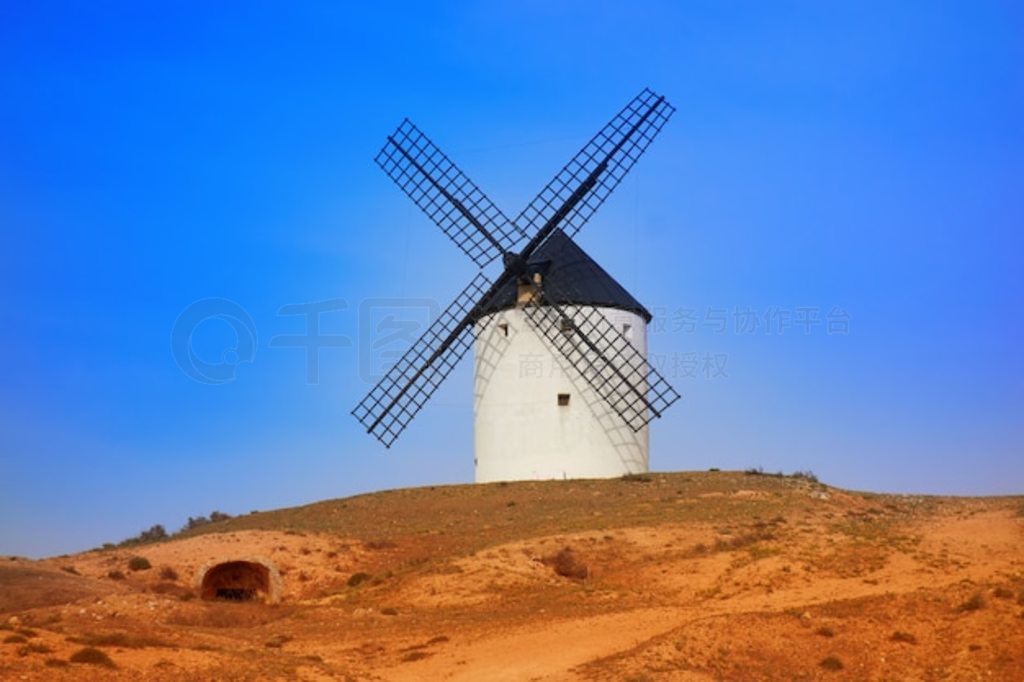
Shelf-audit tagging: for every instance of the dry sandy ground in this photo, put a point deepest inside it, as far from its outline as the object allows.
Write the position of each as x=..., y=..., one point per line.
x=688, y=576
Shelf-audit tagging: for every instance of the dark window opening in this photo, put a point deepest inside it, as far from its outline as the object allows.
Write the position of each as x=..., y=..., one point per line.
x=503, y=328
x=563, y=399
x=567, y=326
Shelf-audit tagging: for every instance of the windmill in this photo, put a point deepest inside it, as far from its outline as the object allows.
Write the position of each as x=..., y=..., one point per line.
x=585, y=413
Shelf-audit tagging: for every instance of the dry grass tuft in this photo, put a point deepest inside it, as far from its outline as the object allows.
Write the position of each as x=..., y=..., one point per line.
x=139, y=563
x=277, y=641
x=566, y=564
x=357, y=579
x=825, y=631
x=15, y=639
x=115, y=575
x=905, y=637
x=831, y=663
x=168, y=573
x=1002, y=593
x=34, y=648
x=975, y=602
x=92, y=656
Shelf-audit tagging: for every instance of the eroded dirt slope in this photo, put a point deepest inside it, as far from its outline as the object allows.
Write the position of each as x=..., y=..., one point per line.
x=688, y=576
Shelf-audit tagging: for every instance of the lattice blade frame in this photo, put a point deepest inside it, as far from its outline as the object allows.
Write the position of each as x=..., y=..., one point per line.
x=618, y=145
x=604, y=358
x=406, y=387
x=446, y=195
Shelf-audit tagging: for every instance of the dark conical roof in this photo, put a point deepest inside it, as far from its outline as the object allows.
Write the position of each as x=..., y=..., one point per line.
x=573, y=278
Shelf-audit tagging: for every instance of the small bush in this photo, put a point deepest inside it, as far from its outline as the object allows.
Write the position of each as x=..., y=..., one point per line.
x=831, y=663
x=152, y=534
x=115, y=575
x=197, y=521
x=975, y=602
x=55, y=663
x=34, y=648
x=389, y=611
x=277, y=641
x=1002, y=593
x=566, y=564
x=905, y=637
x=70, y=569
x=15, y=639
x=805, y=475
x=379, y=544
x=139, y=563
x=168, y=573
x=357, y=579
x=825, y=631
x=92, y=656
x=637, y=478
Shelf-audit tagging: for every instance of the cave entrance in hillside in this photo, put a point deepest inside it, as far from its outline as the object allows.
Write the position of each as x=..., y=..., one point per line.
x=236, y=581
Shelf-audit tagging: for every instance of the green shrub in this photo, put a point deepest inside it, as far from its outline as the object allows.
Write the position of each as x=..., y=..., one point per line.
x=139, y=563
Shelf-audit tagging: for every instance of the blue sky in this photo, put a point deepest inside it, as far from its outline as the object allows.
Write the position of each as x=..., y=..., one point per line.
x=860, y=160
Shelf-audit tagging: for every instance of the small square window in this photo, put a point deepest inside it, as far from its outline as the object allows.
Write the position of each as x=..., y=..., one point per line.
x=503, y=328
x=627, y=331
x=563, y=399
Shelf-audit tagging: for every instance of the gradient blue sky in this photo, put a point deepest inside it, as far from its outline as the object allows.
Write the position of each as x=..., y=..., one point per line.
x=864, y=156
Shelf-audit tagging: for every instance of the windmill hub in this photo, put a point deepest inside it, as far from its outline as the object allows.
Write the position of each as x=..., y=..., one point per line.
x=515, y=265
x=584, y=335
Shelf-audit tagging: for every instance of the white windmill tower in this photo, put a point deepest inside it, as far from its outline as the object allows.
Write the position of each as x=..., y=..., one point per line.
x=563, y=388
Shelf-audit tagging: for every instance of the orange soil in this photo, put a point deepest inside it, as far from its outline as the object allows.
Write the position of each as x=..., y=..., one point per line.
x=688, y=577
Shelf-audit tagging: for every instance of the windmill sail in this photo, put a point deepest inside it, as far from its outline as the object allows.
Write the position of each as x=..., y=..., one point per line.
x=597, y=168
x=617, y=371
x=407, y=386
x=446, y=195
x=601, y=355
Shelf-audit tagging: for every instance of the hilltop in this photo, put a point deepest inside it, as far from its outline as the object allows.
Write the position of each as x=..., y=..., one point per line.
x=690, y=576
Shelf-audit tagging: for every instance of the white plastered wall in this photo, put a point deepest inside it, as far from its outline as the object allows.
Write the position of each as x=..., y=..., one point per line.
x=521, y=432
